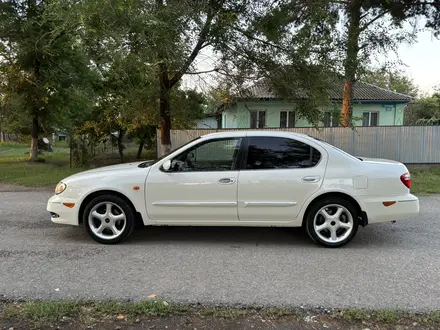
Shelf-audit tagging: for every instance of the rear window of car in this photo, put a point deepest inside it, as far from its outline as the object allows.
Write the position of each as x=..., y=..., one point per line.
x=280, y=153
x=336, y=148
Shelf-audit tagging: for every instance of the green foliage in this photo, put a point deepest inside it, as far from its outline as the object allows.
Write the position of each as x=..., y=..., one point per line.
x=44, y=67
x=286, y=46
x=187, y=107
x=43, y=60
x=251, y=39
x=93, y=67
x=423, y=111
x=47, y=312
x=123, y=44
x=425, y=181
x=392, y=79
x=307, y=86
x=429, y=122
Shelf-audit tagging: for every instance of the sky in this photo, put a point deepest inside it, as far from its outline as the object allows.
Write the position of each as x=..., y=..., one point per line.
x=422, y=61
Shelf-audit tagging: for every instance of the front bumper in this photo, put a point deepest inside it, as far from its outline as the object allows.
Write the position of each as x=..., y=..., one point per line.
x=406, y=207
x=62, y=214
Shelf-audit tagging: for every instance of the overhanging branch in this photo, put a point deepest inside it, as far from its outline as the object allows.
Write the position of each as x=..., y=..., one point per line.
x=252, y=37
x=201, y=43
x=366, y=25
x=201, y=72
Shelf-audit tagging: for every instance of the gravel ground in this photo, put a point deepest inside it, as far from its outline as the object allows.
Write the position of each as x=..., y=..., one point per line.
x=385, y=266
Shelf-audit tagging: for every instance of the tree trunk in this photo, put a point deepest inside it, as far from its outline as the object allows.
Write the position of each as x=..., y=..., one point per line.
x=165, y=115
x=351, y=60
x=347, y=104
x=141, y=147
x=120, y=146
x=70, y=149
x=34, y=141
x=2, y=136
x=164, y=95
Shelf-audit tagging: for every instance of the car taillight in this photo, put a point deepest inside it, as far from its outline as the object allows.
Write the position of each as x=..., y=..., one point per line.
x=406, y=179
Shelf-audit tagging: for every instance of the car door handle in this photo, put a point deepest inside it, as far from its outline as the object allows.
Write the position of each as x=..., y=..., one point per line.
x=310, y=179
x=226, y=181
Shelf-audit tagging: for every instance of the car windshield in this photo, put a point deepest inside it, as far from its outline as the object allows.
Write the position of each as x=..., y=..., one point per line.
x=152, y=162
x=336, y=148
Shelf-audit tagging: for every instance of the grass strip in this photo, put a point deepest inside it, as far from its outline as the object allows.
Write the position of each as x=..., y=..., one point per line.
x=47, y=313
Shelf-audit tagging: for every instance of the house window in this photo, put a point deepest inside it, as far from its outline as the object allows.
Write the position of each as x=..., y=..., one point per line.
x=258, y=119
x=330, y=120
x=370, y=119
x=287, y=119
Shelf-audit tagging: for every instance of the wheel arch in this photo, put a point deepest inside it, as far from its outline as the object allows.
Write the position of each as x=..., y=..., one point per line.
x=97, y=193
x=362, y=214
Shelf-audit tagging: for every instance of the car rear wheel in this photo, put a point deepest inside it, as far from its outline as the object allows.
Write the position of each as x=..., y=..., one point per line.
x=109, y=219
x=332, y=222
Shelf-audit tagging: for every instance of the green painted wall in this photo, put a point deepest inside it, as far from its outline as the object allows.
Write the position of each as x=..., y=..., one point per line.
x=238, y=116
x=389, y=114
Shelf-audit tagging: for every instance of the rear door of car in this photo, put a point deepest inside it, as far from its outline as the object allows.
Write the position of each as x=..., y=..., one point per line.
x=277, y=176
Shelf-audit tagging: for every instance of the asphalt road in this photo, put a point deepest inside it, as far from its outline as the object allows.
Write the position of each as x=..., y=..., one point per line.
x=386, y=266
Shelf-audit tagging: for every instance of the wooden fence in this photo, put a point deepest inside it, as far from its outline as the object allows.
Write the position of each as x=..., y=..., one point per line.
x=407, y=144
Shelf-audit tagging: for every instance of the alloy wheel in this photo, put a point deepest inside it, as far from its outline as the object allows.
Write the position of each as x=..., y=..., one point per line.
x=107, y=220
x=333, y=223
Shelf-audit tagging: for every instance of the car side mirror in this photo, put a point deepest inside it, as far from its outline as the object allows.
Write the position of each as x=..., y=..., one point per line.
x=166, y=165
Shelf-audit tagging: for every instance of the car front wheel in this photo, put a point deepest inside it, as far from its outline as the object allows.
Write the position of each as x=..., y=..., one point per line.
x=332, y=222
x=109, y=219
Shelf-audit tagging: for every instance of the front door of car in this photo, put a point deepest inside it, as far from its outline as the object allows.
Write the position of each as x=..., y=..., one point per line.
x=279, y=175
x=201, y=184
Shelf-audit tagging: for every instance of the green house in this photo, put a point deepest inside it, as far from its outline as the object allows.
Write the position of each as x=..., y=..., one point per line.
x=261, y=108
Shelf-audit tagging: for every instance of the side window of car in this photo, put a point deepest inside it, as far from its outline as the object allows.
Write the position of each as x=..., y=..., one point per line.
x=216, y=155
x=280, y=153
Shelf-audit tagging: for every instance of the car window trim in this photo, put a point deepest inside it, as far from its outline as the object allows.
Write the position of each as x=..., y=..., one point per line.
x=202, y=142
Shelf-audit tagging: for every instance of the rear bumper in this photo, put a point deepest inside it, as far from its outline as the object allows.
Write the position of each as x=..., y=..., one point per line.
x=62, y=214
x=405, y=207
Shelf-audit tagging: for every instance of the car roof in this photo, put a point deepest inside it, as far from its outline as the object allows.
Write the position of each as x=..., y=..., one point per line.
x=241, y=133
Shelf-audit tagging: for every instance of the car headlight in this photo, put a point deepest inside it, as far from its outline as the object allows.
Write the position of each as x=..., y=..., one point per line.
x=60, y=188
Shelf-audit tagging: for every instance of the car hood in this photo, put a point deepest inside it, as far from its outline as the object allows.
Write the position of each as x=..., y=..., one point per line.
x=114, y=167
x=111, y=168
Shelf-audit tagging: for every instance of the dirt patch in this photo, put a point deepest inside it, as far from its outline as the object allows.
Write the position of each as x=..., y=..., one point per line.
x=71, y=315
x=194, y=321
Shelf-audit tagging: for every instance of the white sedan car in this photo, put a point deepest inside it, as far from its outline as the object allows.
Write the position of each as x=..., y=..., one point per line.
x=241, y=178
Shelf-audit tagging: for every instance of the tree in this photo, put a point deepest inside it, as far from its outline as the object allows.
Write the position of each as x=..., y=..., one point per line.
x=363, y=35
x=288, y=47
x=392, y=79
x=127, y=62
x=423, y=111
x=41, y=62
x=250, y=38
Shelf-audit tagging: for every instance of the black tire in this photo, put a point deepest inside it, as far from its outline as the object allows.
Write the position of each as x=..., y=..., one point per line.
x=130, y=219
x=333, y=202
